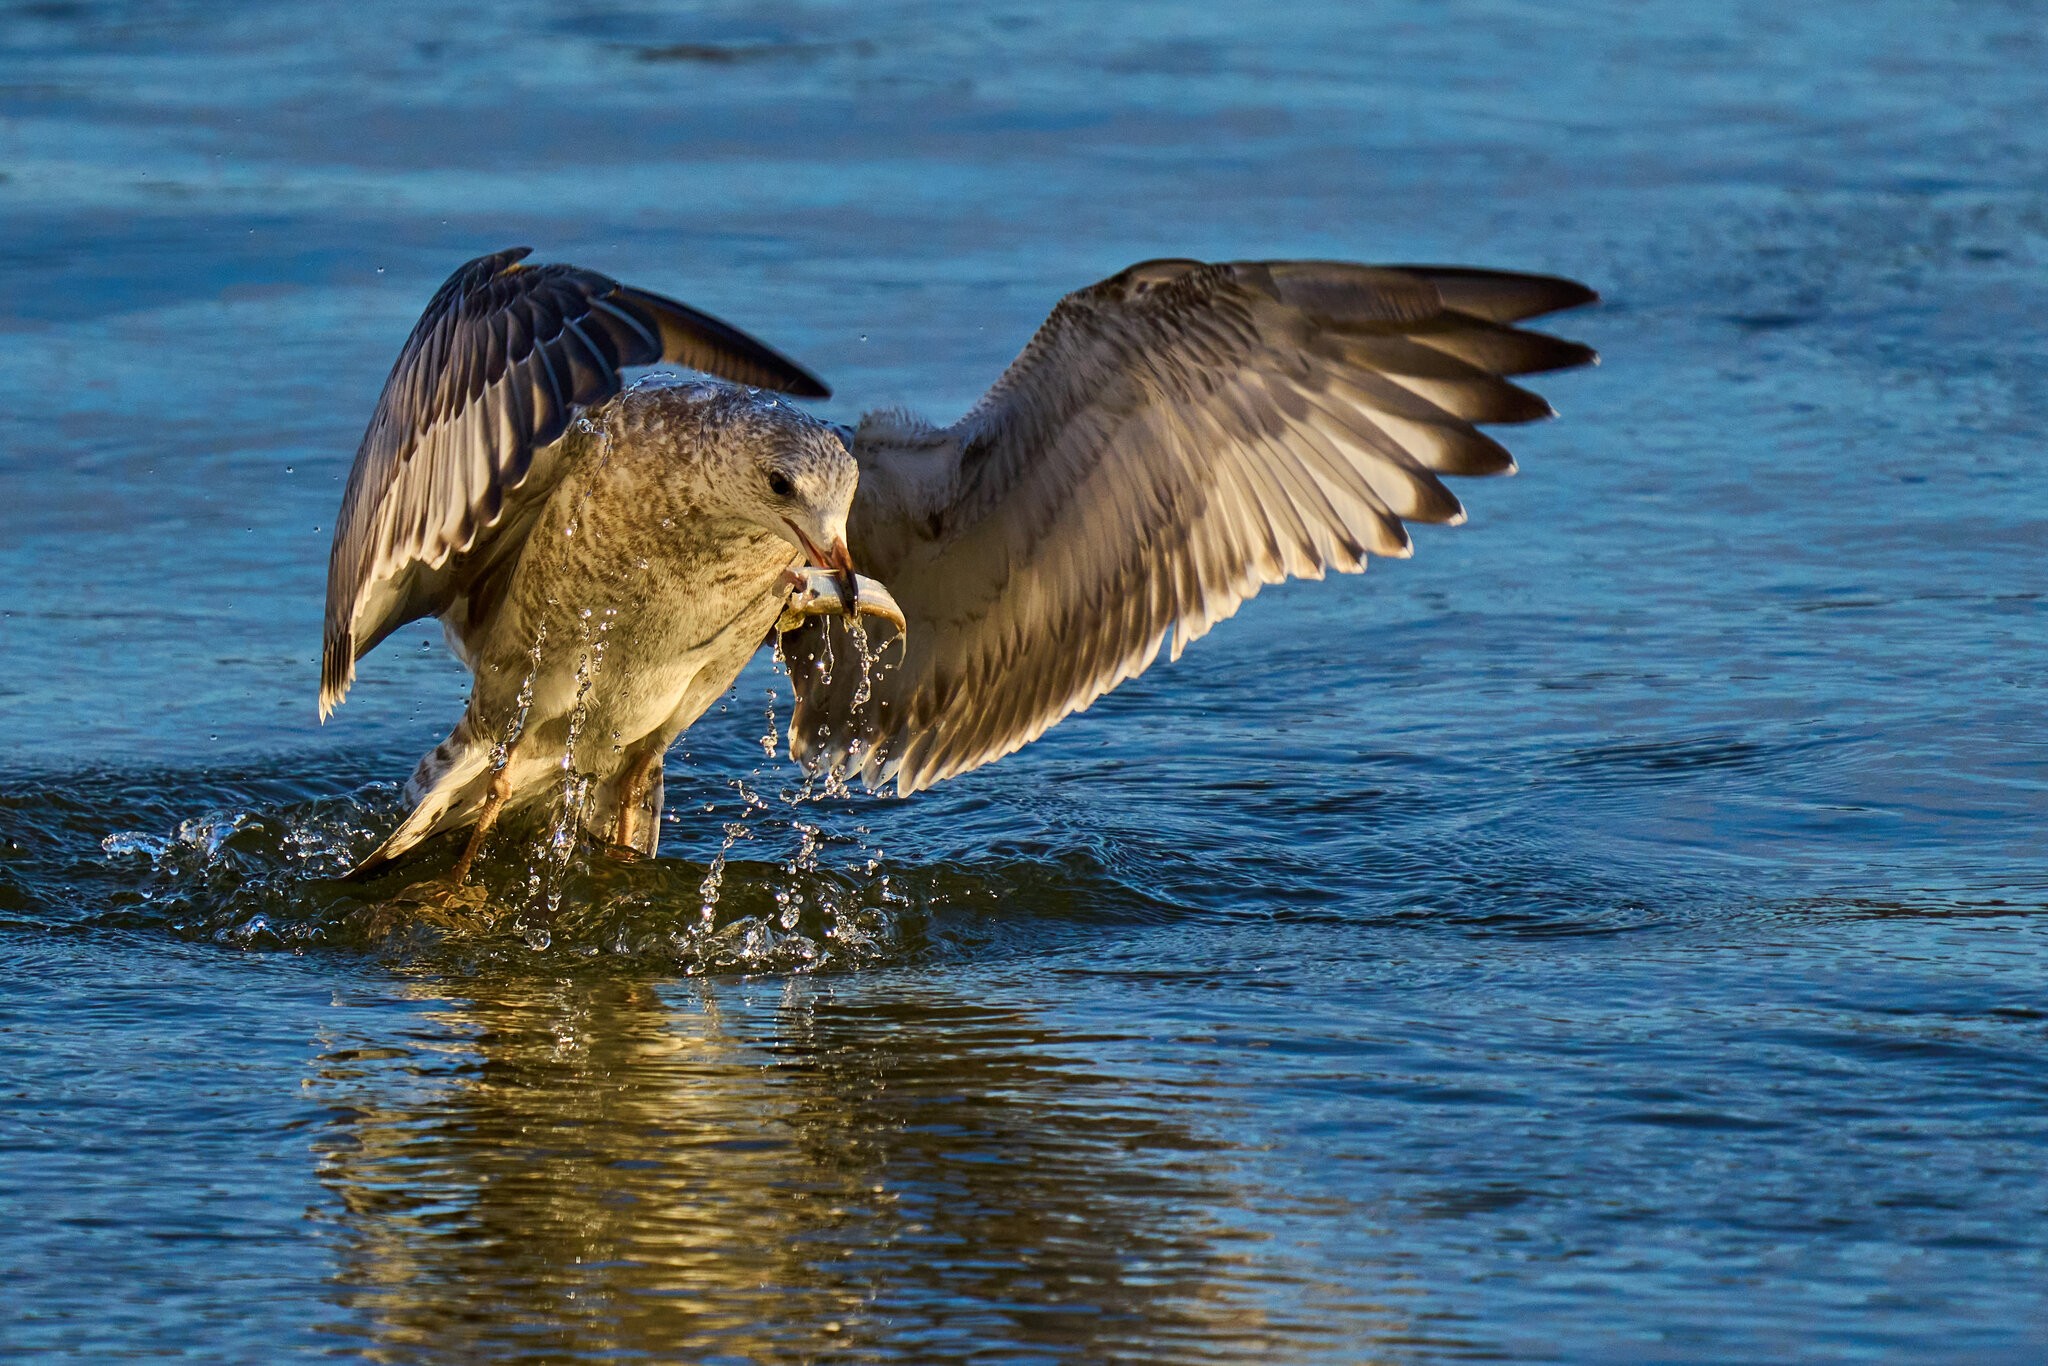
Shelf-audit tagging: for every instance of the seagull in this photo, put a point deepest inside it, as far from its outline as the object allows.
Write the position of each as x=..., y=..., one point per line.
x=606, y=557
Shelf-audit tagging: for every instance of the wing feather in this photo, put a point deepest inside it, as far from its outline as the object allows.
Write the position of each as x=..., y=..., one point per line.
x=1500, y=296
x=487, y=383
x=1172, y=440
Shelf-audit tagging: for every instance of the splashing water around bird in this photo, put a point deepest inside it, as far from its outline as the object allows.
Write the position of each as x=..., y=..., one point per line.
x=501, y=753
x=841, y=925
x=547, y=877
x=815, y=896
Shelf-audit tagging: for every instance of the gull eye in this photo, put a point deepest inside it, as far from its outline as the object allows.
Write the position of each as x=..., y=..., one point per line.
x=779, y=485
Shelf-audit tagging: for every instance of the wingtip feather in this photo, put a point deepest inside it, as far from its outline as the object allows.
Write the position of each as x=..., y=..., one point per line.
x=698, y=340
x=337, y=672
x=1504, y=296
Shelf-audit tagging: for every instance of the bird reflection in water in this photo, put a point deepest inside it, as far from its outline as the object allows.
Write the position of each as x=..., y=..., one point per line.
x=560, y=1169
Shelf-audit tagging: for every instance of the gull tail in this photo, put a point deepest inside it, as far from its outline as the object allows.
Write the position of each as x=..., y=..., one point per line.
x=447, y=791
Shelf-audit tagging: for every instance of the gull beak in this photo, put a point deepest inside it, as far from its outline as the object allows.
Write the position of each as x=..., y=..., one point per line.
x=838, y=559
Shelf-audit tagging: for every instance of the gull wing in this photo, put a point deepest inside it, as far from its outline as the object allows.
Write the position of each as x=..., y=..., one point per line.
x=1170, y=441
x=497, y=367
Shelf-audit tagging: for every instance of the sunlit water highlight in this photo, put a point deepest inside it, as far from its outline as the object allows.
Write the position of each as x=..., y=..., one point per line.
x=1615, y=934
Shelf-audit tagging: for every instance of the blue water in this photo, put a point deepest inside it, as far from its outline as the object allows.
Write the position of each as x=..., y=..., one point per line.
x=1614, y=935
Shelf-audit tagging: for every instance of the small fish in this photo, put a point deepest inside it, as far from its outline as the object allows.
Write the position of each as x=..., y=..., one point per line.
x=815, y=592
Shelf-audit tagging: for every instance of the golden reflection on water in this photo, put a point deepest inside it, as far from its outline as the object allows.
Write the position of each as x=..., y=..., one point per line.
x=550, y=1169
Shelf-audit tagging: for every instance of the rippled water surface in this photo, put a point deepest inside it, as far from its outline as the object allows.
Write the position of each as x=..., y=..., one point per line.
x=1615, y=934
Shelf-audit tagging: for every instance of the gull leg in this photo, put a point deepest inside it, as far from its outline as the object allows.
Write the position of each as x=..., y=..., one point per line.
x=633, y=793
x=501, y=791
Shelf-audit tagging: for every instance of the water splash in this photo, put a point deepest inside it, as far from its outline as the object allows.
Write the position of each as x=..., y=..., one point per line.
x=836, y=763
x=735, y=831
x=864, y=689
x=848, y=765
x=501, y=753
x=831, y=902
x=267, y=877
x=547, y=877
x=243, y=878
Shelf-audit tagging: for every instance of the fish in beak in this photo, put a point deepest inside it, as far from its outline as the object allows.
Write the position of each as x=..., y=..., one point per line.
x=826, y=590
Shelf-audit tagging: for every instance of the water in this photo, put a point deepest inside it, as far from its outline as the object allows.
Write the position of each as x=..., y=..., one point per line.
x=1615, y=934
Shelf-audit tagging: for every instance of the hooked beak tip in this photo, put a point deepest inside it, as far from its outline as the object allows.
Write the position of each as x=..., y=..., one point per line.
x=841, y=559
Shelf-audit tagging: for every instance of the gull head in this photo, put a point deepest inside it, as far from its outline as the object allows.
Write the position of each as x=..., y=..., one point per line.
x=770, y=464
x=798, y=483
x=759, y=460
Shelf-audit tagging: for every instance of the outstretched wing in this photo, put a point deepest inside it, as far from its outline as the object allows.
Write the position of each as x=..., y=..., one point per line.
x=1171, y=440
x=490, y=378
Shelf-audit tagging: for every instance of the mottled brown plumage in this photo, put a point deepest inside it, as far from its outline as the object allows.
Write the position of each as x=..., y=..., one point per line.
x=504, y=356
x=648, y=577
x=1172, y=439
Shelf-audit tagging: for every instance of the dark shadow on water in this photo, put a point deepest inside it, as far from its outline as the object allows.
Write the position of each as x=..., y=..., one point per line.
x=1661, y=760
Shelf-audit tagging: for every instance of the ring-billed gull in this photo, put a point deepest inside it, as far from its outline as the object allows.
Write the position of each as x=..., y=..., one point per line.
x=606, y=558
